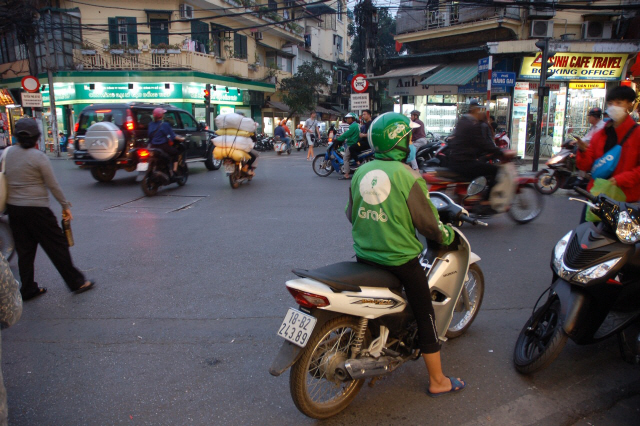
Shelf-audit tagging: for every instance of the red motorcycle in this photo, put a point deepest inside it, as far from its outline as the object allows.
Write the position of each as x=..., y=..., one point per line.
x=513, y=193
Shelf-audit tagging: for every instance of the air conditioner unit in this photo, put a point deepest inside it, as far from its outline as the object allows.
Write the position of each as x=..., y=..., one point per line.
x=258, y=35
x=539, y=11
x=186, y=11
x=541, y=29
x=597, y=30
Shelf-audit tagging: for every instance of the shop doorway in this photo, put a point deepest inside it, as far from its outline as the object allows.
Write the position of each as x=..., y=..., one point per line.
x=579, y=102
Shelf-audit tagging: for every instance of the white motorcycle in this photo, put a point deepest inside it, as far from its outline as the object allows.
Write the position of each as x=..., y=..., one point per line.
x=280, y=146
x=353, y=321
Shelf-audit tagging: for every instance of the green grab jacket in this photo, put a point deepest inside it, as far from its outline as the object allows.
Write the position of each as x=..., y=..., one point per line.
x=352, y=135
x=388, y=201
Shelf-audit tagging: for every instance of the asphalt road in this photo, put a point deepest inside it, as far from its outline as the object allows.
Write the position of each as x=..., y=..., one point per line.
x=190, y=291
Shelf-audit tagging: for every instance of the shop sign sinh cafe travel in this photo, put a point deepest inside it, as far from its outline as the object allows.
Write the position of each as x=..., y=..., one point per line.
x=577, y=66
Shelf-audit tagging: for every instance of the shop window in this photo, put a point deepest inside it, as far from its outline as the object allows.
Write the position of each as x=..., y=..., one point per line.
x=123, y=31
x=240, y=46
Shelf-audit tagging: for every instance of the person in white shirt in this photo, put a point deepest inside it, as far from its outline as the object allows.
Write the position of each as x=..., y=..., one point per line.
x=594, y=116
x=311, y=124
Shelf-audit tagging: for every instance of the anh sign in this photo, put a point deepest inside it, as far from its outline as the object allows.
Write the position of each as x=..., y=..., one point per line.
x=577, y=66
x=503, y=78
x=31, y=100
x=360, y=101
x=410, y=86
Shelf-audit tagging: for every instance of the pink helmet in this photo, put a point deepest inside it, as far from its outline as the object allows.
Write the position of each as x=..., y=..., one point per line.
x=158, y=113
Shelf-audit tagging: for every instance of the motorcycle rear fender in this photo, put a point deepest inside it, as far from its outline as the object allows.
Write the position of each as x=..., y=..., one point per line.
x=370, y=302
x=572, y=303
x=289, y=353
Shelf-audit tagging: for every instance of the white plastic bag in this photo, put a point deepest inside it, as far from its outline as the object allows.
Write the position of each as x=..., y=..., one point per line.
x=235, y=121
x=238, y=142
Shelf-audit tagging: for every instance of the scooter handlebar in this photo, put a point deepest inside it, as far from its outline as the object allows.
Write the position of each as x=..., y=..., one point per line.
x=587, y=194
x=465, y=218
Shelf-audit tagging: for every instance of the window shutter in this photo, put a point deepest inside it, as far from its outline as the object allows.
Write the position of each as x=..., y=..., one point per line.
x=132, y=31
x=113, y=31
x=244, y=47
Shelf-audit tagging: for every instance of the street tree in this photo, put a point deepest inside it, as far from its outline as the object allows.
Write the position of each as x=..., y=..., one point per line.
x=301, y=91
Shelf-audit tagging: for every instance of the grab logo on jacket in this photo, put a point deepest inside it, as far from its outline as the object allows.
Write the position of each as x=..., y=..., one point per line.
x=375, y=187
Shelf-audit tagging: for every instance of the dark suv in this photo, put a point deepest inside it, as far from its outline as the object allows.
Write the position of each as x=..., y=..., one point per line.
x=133, y=120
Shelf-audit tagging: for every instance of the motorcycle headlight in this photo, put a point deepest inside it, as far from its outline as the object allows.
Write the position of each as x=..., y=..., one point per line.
x=558, y=251
x=628, y=229
x=595, y=272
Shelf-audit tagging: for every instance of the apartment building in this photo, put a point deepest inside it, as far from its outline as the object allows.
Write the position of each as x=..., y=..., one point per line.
x=150, y=51
x=446, y=40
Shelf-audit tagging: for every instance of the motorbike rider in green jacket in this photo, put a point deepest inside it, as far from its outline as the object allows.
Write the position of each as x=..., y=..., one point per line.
x=351, y=136
x=388, y=202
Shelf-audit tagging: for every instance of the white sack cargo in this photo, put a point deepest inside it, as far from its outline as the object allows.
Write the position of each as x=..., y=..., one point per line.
x=238, y=142
x=235, y=121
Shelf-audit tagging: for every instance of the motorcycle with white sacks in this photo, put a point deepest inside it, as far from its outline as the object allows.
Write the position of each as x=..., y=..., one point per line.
x=595, y=289
x=353, y=322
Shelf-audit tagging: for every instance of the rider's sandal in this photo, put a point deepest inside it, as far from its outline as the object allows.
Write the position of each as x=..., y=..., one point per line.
x=456, y=386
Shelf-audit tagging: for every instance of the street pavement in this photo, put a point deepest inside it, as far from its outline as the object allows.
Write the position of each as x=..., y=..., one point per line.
x=190, y=291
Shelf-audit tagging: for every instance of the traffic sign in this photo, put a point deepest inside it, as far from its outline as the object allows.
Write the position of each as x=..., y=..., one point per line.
x=359, y=83
x=483, y=64
x=503, y=78
x=31, y=84
x=31, y=100
x=360, y=101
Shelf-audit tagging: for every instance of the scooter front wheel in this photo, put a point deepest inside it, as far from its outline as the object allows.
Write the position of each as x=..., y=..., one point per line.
x=526, y=205
x=468, y=304
x=149, y=186
x=547, y=182
x=319, y=386
x=322, y=167
x=541, y=340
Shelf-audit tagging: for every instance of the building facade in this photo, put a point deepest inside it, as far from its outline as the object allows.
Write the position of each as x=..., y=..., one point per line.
x=149, y=51
x=446, y=40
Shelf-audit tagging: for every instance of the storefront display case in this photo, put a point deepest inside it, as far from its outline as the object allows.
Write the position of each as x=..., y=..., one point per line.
x=583, y=96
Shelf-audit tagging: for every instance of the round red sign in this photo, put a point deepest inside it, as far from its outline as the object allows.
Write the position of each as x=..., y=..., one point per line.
x=359, y=83
x=30, y=84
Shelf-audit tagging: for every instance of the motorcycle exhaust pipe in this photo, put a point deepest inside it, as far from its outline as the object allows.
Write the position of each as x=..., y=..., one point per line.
x=369, y=367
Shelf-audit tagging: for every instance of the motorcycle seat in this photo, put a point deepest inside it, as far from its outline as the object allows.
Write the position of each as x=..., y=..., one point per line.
x=350, y=276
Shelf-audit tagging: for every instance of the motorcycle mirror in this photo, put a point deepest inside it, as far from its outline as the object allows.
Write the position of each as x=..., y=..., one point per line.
x=477, y=186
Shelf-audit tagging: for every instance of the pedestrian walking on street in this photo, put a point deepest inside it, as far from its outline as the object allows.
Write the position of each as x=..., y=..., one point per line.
x=10, y=311
x=29, y=177
x=312, y=129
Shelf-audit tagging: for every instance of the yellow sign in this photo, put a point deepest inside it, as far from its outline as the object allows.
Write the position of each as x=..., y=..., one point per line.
x=586, y=85
x=576, y=66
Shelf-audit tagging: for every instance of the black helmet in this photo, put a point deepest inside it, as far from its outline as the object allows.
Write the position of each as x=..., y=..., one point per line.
x=595, y=112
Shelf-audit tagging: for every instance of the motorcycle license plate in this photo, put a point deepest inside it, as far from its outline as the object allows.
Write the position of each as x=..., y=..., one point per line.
x=297, y=327
x=142, y=167
x=229, y=168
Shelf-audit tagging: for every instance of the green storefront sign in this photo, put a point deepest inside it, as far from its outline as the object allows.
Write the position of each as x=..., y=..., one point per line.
x=87, y=93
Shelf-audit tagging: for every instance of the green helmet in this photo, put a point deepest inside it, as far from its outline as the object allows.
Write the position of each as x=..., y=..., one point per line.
x=351, y=115
x=390, y=132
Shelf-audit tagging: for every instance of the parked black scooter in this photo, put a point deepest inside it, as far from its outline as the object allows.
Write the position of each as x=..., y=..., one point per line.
x=560, y=172
x=154, y=168
x=595, y=291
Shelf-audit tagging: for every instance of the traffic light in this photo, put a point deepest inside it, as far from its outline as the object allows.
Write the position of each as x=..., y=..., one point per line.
x=546, y=61
x=207, y=98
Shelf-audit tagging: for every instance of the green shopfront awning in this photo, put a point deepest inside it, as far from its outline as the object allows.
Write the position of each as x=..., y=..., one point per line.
x=453, y=75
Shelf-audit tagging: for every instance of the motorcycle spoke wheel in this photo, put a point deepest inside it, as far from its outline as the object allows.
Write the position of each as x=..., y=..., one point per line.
x=318, y=388
x=526, y=205
x=469, y=303
x=322, y=167
x=546, y=182
x=540, y=344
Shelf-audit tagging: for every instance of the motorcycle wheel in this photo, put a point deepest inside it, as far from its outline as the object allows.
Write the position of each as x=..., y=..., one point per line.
x=321, y=167
x=184, y=175
x=211, y=163
x=289, y=151
x=279, y=152
x=538, y=347
x=233, y=179
x=314, y=383
x=526, y=205
x=546, y=182
x=149, y=187
x=7, y=245
x=463, y=314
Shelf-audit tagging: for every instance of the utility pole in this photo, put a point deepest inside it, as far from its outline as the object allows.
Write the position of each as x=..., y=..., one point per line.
x=52, y=97
x=543, y=91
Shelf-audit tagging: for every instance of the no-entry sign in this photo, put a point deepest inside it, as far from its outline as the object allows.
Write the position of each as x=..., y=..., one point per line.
x=31, y=84
x=359, y=83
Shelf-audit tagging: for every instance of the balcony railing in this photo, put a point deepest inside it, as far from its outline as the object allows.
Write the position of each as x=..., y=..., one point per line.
x=151, y=59
x=448, y=15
